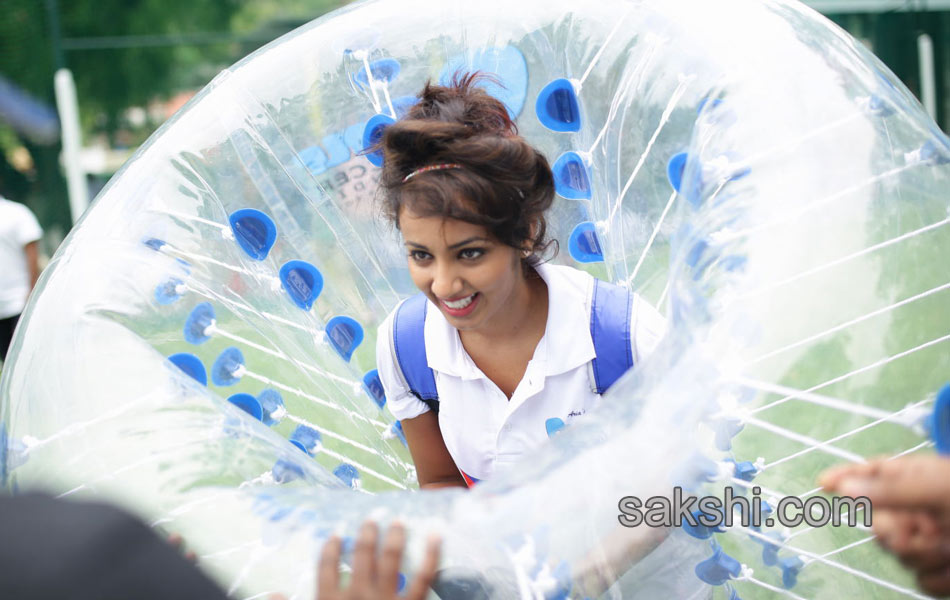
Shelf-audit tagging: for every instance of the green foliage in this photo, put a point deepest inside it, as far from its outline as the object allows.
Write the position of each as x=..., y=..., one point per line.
x=126, y=52
x=109, y=80
x=123, y=53
x=26, y=55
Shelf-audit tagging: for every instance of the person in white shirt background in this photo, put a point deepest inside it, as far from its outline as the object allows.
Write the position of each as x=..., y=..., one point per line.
x=508, y=338
x=19, y=264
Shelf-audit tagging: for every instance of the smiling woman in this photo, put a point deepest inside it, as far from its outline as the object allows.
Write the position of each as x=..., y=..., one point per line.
x=469, y=196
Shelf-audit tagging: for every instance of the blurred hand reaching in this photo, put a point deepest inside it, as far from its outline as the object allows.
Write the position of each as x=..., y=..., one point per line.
x=910, y=503
x=374, y=578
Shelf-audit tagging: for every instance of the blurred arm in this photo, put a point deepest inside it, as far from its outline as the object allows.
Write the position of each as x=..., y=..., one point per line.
x=616, y=554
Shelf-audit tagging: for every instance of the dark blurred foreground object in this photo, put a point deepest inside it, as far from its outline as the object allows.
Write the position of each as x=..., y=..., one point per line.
x=54, y=549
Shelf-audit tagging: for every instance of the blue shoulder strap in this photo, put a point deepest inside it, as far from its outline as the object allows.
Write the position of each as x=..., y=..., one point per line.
x=409, y=346
x=610, y=332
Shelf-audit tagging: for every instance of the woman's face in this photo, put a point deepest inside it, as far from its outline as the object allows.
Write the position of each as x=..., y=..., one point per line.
x=472, y=277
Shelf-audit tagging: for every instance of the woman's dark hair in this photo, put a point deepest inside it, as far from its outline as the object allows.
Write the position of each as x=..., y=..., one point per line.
x=504, y=184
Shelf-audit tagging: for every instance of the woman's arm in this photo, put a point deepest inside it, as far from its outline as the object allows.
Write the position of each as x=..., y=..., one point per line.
x=434, y=465
x=420, y=425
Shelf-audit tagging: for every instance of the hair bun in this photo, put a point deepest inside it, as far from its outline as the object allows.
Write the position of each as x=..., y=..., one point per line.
x=417, y=140
x=464, y=103
x=445, y=121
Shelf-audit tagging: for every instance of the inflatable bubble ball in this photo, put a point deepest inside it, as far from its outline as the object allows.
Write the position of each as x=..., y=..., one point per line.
x=201, y=349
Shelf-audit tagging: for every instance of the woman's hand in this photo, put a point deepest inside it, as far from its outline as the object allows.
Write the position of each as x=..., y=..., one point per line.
x=374, y=578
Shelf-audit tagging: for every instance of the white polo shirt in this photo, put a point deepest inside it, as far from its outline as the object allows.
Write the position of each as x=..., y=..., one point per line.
x=484, y=430
x=18, y=227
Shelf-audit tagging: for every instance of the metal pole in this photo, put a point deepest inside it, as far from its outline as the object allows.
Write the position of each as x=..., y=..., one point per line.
x=928, y=81
x=69, y=124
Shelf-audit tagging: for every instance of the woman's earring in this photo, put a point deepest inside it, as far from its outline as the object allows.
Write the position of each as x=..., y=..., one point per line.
x=526, y=253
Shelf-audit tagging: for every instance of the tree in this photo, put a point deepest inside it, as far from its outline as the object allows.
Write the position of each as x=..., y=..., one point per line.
x=122, y=53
